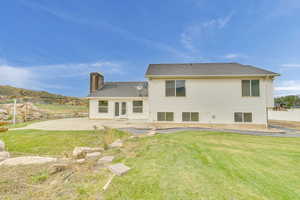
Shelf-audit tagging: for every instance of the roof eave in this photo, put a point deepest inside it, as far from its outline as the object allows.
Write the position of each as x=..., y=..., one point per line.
x=212, y=76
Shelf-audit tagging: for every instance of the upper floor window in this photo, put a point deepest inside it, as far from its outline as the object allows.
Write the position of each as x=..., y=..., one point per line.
x=250, y=88
x=137, y=106
x=103, y=106
x=175, y=88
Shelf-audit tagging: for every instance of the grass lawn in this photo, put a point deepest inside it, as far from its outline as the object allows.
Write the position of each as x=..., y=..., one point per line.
x=183, y=165
x=206, y=165
x=40, y=142
x=61, y=108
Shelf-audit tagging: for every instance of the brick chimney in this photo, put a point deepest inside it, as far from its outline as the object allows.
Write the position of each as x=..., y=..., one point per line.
x=96, y=81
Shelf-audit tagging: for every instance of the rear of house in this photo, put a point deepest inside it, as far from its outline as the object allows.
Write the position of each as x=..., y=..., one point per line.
x=219, y=93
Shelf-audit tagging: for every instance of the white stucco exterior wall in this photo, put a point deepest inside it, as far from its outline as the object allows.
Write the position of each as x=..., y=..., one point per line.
x=94, y=114
x=216, y=100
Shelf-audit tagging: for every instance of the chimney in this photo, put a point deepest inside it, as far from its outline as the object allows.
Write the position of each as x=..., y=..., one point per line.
x=96, y=81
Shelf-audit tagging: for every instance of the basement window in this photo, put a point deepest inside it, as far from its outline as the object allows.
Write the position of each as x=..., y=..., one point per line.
x=137, y=106
x=103, y=106
x=175, y=88
x=165, y=116
x=242, y=117
x=190, y=116
x=250, y=88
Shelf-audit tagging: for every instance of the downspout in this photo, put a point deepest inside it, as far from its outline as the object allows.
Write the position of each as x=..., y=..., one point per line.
x=266, y=94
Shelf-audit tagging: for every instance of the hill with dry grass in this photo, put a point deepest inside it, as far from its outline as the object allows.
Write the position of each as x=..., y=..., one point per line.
x=8, y=93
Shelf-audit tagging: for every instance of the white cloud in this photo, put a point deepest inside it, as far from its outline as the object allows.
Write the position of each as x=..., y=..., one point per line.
x=294, y=65
x=288, y=87
x=193, y=34
x=231, y=56
x=43, y=76
x=16, y=76
x=219, y=22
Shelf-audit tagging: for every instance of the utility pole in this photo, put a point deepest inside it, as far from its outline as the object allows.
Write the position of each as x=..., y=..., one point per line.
x=15, y=111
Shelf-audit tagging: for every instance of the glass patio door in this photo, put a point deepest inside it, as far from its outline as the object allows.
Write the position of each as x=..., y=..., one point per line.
x=120, y=109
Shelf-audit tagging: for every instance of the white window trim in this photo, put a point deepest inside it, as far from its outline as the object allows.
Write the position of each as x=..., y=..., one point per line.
x=142, y=106
x=243, y=120
x=165, y=117
x=103, y=106
x=175, y=87
x=251, y=87
x=190, y=117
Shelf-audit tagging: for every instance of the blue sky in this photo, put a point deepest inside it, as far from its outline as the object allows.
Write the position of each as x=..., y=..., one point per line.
x=53, y=45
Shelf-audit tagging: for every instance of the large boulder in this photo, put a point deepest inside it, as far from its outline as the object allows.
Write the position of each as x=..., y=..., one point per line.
x=119, y=169
x=105, y=159
x=93, y=155
x=4, y=155
x=117, y=143
x=2, y=146
x=27, y=160
x=81, y=152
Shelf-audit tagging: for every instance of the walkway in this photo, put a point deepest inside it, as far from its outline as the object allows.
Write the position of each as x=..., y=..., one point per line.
x=285, y=131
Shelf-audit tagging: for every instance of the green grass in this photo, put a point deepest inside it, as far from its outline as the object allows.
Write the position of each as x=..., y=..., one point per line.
x=21, y=124
x=206, y=165
x=183, y=165
x=40, y=142
x=61, y=108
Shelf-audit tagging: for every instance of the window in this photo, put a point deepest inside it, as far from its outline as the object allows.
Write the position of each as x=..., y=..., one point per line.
x=175, y=88
x=250, y=88
x=123, y=108
x=170, y=88
x=242, y=117
x=103, y=106
x=165, y=116
x=137, y=106
x=190, y=116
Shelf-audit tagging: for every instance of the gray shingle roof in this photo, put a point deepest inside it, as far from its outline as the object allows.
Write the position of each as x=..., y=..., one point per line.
x=122, y=89
x=206, y=69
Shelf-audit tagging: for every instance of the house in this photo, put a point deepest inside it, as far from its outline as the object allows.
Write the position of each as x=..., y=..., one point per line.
x=219, y=93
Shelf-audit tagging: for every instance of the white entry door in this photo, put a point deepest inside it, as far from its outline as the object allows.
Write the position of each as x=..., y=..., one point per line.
x=120, y=109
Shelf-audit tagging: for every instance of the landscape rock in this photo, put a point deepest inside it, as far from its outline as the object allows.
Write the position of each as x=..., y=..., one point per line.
x=27, y=160
x=4, y=155
x=2, y=111
x=118, y=169
x=58, y=168
x=93, y=155
x=80, y=152
x=105, y=159
x=117, y=143
x=80, y=161
x=2, y=146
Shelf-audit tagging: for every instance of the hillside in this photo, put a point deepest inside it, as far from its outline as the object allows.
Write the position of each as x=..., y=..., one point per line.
x=7, y=93
x=6, y=90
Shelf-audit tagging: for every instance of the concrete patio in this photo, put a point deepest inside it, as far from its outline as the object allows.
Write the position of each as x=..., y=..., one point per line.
x=85, y=124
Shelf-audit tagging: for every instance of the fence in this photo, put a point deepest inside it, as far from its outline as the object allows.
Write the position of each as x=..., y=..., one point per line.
x=286, y=115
